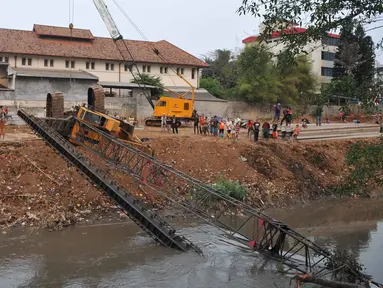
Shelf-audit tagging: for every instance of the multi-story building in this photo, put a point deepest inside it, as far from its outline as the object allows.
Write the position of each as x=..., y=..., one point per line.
x=322, y=53
x=49, y=49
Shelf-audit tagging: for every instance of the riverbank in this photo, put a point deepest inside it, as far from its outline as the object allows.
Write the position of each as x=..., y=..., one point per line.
x=38, y=189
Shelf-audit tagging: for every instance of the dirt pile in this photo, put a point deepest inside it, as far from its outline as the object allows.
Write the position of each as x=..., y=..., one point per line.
x=273, y=172
x=39, y=189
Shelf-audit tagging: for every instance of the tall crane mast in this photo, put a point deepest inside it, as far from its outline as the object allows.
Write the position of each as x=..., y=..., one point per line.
x=108, y=20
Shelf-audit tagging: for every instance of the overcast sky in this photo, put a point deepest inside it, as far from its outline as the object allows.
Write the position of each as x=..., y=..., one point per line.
x=198, y=26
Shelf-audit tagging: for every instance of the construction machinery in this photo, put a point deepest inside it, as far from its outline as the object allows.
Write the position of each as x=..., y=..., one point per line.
x=179, y=107
x=93, y=115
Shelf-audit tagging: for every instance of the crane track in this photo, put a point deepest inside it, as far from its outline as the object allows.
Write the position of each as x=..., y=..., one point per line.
x=148, y=221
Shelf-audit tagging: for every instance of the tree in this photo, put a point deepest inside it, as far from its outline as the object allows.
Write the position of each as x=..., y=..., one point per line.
x=354, y=66
x=366, y=70
x=349, y=57
x=222, y=67
x=258, y=80
x=324, y=16
x=297, y=82
x=346, y=36
x=213, y=86
x=147, y=79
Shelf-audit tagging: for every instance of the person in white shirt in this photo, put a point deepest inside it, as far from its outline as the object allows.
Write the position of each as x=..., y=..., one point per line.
x=229, y=127
x=163, y=122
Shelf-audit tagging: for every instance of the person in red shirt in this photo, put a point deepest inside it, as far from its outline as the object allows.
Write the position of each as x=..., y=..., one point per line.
x=266, y=130
x=201, y=122
x=250, y=125
x=221, y=129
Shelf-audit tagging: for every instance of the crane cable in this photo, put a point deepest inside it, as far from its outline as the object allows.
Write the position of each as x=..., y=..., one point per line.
x=155, y=50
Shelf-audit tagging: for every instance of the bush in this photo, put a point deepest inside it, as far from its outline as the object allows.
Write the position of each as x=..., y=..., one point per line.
x=231, y=188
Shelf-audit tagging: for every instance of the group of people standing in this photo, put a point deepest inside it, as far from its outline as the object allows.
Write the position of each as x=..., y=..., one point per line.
x=215, y=126
x=169, y=123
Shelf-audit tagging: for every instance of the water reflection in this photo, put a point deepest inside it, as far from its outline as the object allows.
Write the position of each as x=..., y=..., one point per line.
x=122, y=255
x=113, y=256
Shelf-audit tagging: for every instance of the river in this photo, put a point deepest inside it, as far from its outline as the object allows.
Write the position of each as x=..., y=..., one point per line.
x=120, y=255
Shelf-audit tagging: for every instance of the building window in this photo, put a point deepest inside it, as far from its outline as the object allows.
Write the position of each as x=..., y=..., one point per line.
x=87, y=65
x=106, y=66
x=71, y=63
x=178, y=71
x=330, y=41
x=45, y=62
x=23, y=61
x=144, y=68
x=128, y=67
x=1, y=58
x=328, y=72
x=166, y=70
x=4, y=59
x=162, y=70
x=112, y=66
x=51, y=63
x=182, y=71
x=29, y=61
x=149, y=68
x=193, y=73
x=92, y=65
x=328, y=56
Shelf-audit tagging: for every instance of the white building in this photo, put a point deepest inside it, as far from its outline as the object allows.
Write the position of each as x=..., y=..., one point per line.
x=57, y=49
x=322, y=53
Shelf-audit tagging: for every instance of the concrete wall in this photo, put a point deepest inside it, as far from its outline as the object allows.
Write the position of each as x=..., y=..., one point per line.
x=117, y=75
x=30, y=89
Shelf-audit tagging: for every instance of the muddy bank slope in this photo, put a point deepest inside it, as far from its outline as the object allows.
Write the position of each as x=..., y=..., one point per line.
x=37, y=188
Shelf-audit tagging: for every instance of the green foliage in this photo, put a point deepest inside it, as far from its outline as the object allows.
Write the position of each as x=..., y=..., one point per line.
x=213, y=86
x=222, y=67
x=288, y=80
x=355, y=67
x=150, y=80
x=324, y=16
x=366, y=160
x=258, y=80
x=231, y=188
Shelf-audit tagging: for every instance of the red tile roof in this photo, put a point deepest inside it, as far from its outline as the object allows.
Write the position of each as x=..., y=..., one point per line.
x=277, y=34
x=43, y=30
x=53, y=43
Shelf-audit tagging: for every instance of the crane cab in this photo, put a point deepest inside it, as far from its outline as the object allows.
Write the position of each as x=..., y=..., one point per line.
x=99, y=120
x=181, y=108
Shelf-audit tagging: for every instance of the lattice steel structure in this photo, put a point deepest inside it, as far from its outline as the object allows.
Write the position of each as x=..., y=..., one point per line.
x=255, y=229
x=148, y=221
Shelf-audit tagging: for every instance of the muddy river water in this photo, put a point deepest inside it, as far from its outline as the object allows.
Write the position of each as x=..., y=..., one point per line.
x=120, y=255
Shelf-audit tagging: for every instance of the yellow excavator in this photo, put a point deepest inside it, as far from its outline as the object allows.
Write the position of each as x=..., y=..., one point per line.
x=179, y=107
